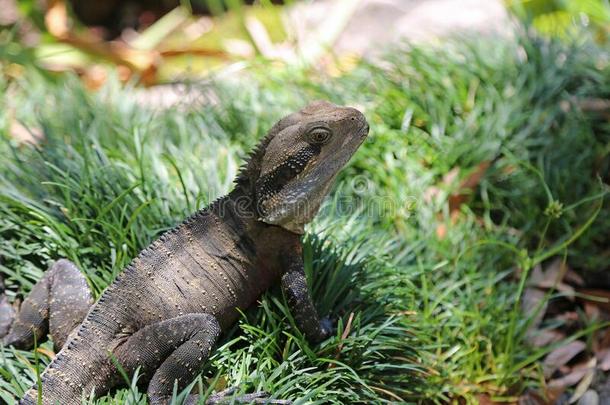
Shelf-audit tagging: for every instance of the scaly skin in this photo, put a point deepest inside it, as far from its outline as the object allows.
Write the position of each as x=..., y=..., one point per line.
x=165, y=311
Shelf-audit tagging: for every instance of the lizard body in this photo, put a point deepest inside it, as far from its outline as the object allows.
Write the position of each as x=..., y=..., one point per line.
x=165, y=311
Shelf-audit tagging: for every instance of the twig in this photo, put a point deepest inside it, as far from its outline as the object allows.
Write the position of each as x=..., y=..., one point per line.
x=344, y=335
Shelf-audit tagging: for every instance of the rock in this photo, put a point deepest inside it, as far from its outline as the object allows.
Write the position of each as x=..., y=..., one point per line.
x=590, y=397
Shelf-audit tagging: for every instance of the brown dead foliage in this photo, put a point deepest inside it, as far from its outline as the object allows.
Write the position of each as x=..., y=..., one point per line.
x=574, y=369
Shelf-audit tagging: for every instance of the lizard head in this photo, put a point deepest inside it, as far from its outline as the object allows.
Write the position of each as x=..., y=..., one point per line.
x=295, y=165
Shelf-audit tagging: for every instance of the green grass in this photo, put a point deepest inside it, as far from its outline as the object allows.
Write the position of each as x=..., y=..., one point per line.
x=433, y=318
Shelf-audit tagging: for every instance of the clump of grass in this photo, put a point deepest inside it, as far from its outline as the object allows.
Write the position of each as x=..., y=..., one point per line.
x=431, y=315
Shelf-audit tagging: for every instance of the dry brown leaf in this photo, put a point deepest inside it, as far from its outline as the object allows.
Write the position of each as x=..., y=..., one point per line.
x=568, y=317
x=573, y=376
x=467, y=186
x=475, y=178
x=603, y=341
x=585, y=383
x=536, y=276
x=574, y=278
x=556, y=270
x=532, y=299
x=592, y=311
x=603, y=358
x=553, y=394
x=567, y=290
x=561, y=356
x=551, y=277
x=569, y=379
x=541, y=338
x=484, y=399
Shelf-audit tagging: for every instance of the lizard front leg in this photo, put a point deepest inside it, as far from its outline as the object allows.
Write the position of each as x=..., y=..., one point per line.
x=294, y=286
x=57, y=303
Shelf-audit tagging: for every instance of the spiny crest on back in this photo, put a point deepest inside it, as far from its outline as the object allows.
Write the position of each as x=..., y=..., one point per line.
x=251, y=167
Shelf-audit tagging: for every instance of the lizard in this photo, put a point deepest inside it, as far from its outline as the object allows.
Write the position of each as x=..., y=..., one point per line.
x=165, y=311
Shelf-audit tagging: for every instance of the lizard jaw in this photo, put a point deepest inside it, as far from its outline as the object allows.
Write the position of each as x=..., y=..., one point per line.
x=299, y=202
x=300, y=205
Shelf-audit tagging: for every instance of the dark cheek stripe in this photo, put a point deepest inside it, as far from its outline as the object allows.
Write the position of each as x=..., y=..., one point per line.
x=273, y=182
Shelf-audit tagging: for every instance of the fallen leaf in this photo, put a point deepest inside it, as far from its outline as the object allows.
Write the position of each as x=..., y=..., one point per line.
x=568, y=317
x=584, y=384
x=467, y=186
x=556, y=270
x=561, y=356
x=484, y=399
x=536, y=276
x=533, y=301
x=475, y=177
x=573, y=376
x=603, y=357
x=569, y=379
x=592, y=311
x=604, y=339
x=574, y=278
x=553, y=394
x=545, y=337
x=551, y=277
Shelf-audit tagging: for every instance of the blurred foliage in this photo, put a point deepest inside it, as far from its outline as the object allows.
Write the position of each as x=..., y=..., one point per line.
x=150, y=42
x=565, y=18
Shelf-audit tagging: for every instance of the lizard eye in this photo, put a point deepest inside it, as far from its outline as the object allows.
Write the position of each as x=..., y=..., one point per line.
x=319, y=135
